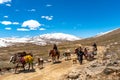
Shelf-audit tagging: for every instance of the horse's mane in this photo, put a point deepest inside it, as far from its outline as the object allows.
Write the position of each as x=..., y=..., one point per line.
x=21, y=54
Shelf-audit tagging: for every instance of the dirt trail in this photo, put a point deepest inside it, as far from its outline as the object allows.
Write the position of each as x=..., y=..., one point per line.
x=50, y=71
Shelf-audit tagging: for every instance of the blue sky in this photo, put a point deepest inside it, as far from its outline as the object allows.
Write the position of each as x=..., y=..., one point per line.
x=82, y=18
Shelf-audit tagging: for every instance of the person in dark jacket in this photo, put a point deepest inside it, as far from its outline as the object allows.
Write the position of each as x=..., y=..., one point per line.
x=95, y=46
x=55, y=47
x=80, y=54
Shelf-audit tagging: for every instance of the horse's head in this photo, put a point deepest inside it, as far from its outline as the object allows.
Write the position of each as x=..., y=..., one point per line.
x=13, y=58
x=76, y=50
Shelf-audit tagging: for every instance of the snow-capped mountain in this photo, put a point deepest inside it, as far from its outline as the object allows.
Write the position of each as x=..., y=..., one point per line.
x=57, y=36
x=39, y=40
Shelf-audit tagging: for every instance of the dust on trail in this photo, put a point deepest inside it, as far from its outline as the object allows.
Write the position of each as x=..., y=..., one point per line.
x=50, y=71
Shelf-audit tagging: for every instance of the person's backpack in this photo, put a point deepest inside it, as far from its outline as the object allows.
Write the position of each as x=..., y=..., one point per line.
x=80, y=53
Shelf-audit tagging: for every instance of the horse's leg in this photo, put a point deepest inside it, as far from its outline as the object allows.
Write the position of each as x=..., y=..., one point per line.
x=16, y=67
x=28, y=66
x=23, y=65
x=58, y=57
x=65, y=58
x=32, y=65
x=53, y=59
x=70, y=56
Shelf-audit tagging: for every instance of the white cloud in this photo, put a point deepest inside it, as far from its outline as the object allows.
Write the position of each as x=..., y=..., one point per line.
x=6, y=22
x=8, y=28
x=9, y=5
x=4, y=1
x=15, y=23
x=33, y=10
x=5, y=16
x=22, y=29
x=48, y=5
x=32, y=24
x=42, y=29
x=47, y=17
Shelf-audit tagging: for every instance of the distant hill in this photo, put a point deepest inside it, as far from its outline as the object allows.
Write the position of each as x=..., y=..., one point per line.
x=39, y=40
x=104, y=39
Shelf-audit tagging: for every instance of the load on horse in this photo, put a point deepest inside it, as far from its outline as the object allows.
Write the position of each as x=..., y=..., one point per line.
x=22, y=58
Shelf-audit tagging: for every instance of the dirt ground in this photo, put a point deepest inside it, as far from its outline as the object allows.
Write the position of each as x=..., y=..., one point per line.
x=50, y=71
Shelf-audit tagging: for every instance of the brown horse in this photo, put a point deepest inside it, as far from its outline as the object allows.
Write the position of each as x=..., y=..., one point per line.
x=55, y=55
x=67, y=55
x=21, y=58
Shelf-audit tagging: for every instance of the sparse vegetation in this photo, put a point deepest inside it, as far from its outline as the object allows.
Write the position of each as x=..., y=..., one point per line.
x=111, y=41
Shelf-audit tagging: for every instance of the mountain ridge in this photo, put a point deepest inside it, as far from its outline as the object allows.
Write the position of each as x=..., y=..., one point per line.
x=39, y=40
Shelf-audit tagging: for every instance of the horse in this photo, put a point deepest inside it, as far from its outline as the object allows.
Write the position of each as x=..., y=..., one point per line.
x=55, y=55
x=40, y=62
x=21, y=58
x=90, y=56
x=67, y=55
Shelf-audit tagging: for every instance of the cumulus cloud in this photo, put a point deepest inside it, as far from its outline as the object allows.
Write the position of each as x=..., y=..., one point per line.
x=4, y=1
x=47, y=17
x=48, y=5
x=6, y=22
x=5, y=16
x=31, y=24
x=7, y=28
x=15, y=23
x=42, y=29
x=22, y=29
x=32, y=10
x=8, y=5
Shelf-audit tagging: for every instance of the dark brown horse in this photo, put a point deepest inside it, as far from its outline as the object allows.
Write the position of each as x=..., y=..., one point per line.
x=21, y=58
x=55, y=55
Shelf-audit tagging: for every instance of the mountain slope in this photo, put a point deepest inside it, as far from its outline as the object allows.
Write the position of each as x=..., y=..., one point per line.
x=110, y=40
x=105, y=39
x=39, y=40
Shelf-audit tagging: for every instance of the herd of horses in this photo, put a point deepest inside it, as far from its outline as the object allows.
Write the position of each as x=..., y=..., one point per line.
x=23, y=58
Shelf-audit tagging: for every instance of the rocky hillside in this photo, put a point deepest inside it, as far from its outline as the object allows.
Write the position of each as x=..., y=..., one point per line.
x=107, y=64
